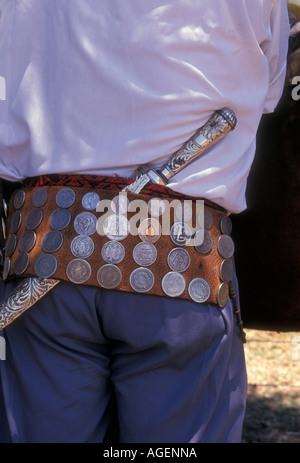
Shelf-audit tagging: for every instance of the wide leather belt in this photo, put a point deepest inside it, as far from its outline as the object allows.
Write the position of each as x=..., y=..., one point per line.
x=97, y=236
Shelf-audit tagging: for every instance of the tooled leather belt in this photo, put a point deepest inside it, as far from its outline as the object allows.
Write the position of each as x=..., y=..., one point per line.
x=83, y=230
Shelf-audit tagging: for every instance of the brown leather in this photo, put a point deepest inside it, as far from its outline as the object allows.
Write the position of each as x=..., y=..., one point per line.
x=204, y=266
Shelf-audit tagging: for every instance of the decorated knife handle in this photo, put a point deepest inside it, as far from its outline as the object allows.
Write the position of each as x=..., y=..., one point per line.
x=218, y=125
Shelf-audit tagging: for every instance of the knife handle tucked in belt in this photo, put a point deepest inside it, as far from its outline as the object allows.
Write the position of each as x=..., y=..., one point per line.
x=219, y=124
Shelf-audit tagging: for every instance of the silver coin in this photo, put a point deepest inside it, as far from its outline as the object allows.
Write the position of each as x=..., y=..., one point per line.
x=149, y=230
x=3, y=225
x=156, y=207
x=27, y=241
x=113, y=252
x=65, y=197
x=178, y=260
x=206, y=245
x=90, y=201
x=226, y=270
x=199, y=290
x=180, y=233
x=45, y=266
x=15, y=222
x=82, y=246
x=184, y=212
x=144, y=253
x=226, y=246
x=141, y=279
x=34, y=218
x=21, y=263
x=10, y=245
x=5, y=208
x=19, y=199
x=85, y=223
x=173, y=284
x=60, y=219
x=120, y=204
x=39, y=197
x=205, y=219
x=116, y=227
x=78, y=271
x=109, y=276
x=226, y=225
x=223, y=293
x=6, y=268
x=52, y=241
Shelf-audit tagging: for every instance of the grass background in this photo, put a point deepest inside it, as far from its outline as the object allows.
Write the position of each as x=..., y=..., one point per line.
x=273, y=408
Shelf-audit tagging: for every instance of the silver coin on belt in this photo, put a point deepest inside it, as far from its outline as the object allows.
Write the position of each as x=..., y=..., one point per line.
x=226, y=225
x=178, y=260
x=60, y=219
x=113, y=252
x=15, y=222
x=199, y=290
x=65, y=197
x=90, y=201
x=82, y=246
x=78, y=270
x=45, y=266
x=116, y=227
x=27, y=241
x=109, y=276
x=141, y=279
x=6, y=268
x=11, y=245
x=21, y=263
x=223, y=294
x=120, y=204
x=205, y=219
x=226, y=246
x=34, y=218
x=19, y=199
x=85, y=223
x=180, y=233
x=203, y=241
x=52, y=241
x=173, y=284
x=226, y=270
x=149, y=230
x=39, y=197
x=144, y=253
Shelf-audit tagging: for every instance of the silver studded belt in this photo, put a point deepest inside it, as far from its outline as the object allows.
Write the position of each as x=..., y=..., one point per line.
x=140, y=243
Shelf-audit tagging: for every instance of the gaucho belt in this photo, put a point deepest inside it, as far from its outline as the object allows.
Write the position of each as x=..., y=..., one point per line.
x=61, y=232
x=155, y=242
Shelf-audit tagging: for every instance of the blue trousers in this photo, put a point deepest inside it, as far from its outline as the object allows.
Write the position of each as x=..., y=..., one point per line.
x=176, y=368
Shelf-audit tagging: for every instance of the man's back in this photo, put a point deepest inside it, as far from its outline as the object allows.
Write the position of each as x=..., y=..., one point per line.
x=99, y=87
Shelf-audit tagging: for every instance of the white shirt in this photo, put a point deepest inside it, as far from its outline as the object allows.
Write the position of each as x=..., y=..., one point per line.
x=103, y=86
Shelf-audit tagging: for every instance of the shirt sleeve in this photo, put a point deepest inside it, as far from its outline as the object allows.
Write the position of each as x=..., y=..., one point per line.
x=275, y=50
